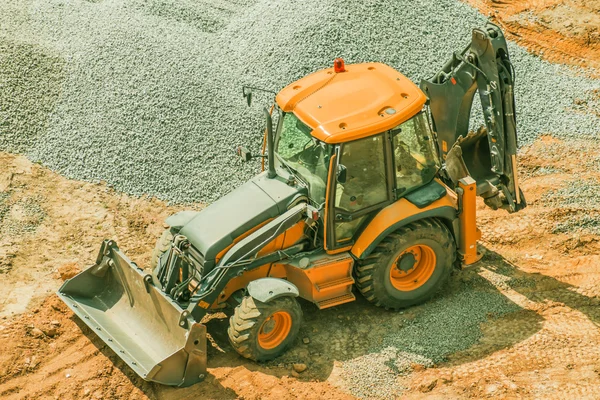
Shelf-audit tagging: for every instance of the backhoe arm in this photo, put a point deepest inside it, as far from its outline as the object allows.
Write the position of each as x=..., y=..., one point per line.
x=489, y=155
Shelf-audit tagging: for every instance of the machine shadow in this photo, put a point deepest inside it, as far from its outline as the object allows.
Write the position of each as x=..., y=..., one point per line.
x=444, y=331
x=210, y=388
x=538, y=288
x=433, y=332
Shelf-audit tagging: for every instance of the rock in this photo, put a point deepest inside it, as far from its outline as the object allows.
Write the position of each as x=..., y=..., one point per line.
x=418, y=367
x=67, y=271
x=55, y=323
x=31, y=363
x=55, y=307
x=428, y=387
x=301, y=354
x=37, y=333
x=305, y=340
x=51, y=332
x=295, y=374
x=299, y=367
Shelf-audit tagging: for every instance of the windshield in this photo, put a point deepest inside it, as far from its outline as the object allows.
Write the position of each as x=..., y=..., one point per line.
x=307, y=156
x=415, y=155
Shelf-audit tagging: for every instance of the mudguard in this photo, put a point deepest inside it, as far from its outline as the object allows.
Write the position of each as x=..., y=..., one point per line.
x=267, y=289
x=178, y=220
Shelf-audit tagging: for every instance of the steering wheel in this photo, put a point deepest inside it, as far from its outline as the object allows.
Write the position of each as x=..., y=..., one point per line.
x=309, y=156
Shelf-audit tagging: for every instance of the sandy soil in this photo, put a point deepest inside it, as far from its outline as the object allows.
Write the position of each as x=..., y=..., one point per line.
x=535, y=352
x=562, y=31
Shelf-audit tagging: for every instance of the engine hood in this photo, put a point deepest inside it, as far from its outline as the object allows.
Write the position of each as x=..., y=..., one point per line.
x=256, y=201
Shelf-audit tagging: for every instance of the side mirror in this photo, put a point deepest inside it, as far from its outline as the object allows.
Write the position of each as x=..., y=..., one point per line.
x=243, y=153
x=341, y=173
x=247, y=92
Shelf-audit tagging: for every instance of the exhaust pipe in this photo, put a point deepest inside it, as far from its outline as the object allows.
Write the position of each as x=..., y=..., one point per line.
x=270, y=145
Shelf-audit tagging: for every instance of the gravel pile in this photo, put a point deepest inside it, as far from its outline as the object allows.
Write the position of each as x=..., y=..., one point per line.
x=446, y=325
x=373, y=375
x=146, y=94
x=581, y=198
x=449, y=324
x=580, y=222
x=581, y=194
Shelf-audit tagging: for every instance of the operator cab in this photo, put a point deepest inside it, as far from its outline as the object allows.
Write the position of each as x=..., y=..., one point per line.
x=368, y=119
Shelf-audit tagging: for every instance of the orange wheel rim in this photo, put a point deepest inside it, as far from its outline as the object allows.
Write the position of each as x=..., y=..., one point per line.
x=274, y=330
x=412, y=268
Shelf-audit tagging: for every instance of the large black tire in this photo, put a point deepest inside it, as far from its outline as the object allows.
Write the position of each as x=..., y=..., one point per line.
x=162, y=245
x=256, y=331
x=408, y=266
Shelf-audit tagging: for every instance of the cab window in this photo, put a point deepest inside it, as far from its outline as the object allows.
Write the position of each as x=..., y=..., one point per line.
x=305, y=155
x=415, y=156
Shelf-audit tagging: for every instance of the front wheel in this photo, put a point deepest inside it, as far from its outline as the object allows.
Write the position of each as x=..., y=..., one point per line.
x=162, y=245
x=263, y=331
x=408, y=266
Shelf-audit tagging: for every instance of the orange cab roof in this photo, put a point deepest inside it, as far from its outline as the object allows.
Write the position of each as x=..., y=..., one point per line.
x=364, y=100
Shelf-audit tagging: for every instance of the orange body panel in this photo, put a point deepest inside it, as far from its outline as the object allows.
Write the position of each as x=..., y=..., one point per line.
x=327, y=281
x=396, y=212
x=240, y=282
x=364, y=100
x=237, y=239
x=469, y=233
x=286, y=239
x=340, y=250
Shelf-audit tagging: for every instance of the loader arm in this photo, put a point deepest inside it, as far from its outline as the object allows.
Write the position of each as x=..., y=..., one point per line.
x=242, y=257
x=489, y=155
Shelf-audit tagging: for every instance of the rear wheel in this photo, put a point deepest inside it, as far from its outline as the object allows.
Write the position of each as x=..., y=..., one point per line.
x=408, y=266
x=262, y=331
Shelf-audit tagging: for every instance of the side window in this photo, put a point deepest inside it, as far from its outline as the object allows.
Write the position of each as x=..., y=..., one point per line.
x=415, y=159
x=365, y=184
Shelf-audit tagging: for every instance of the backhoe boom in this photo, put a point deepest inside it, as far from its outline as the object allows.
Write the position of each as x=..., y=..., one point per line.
x=483, y=67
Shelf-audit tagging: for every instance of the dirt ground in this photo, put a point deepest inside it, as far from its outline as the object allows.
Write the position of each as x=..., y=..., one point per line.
x=561, y=31
x=553, y=278
x=545, y=260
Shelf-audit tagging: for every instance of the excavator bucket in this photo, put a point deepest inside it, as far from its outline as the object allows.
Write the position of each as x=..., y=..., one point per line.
x=118, y=300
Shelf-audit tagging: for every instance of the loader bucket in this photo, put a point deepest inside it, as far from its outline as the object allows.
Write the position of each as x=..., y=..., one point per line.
x=148, y=330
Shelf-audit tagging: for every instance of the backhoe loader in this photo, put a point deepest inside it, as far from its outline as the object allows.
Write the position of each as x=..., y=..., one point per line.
x=370, y=183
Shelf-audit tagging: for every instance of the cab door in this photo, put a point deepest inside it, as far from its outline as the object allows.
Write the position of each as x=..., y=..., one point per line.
x=359, y=184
